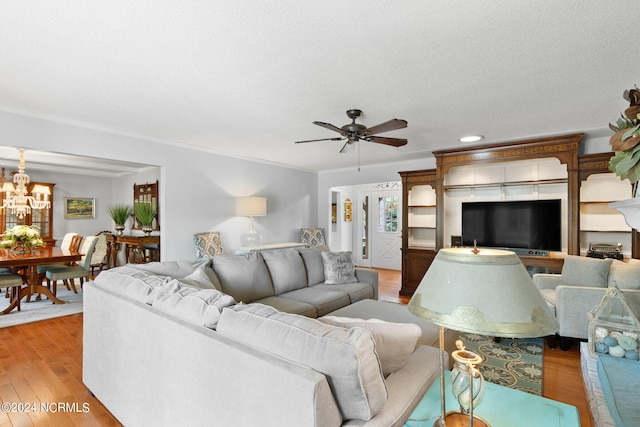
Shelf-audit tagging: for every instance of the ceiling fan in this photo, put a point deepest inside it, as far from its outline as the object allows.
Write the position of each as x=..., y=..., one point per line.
x=353, y=132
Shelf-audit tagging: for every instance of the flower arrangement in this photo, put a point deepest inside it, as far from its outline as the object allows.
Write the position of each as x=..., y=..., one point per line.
x=625, y=163
x=25, y=237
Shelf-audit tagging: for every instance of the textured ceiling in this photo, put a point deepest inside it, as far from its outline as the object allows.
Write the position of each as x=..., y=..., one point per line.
x=247, y=78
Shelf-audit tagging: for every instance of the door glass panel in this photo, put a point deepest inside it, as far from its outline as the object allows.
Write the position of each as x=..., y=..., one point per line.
x=365, y=228
x=388, y=211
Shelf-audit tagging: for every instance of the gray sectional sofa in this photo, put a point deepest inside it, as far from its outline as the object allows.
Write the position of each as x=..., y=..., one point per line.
x=211, y=344
x=293, y=280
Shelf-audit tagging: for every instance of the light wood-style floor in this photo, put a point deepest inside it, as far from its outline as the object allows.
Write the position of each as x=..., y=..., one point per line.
x=41, y=363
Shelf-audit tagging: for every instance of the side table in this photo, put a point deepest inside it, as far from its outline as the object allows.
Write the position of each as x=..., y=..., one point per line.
x=501, y=407
x=136, y=246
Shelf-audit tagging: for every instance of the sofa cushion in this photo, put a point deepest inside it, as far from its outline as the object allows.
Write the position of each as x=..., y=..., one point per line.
x=199, y=306
x=395, y=342
x=625, y=275
x=356, y=291
x=346, y=357
x=338, y=268
x=325, y=301
x=286, y=269
x=133, y=283
x=289, y=305
x=245, y=277
x=198, y=272
x=584, y=271
x=314, y=265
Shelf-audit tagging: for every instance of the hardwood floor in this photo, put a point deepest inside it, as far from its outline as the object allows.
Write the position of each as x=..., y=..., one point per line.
x=41, y=364
x=40, y=368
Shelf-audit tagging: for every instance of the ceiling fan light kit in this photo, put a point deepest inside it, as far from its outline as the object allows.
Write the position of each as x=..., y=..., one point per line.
x=353, y=132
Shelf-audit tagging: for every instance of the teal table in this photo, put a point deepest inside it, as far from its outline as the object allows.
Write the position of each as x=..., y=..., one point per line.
x=501, y=407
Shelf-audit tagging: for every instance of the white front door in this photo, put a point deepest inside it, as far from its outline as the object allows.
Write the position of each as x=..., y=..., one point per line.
x=385, y=229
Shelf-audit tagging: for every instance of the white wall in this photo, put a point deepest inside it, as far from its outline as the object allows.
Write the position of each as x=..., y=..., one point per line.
x=367, y=175
x=197, y=189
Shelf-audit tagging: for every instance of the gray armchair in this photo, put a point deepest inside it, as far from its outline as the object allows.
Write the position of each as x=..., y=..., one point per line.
x=581, y=286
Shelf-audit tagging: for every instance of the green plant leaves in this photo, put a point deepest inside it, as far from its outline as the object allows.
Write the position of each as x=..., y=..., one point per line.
x=626, y=164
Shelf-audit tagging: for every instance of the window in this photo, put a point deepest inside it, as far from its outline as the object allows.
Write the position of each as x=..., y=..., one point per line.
x=365, y=228
x=388, y=211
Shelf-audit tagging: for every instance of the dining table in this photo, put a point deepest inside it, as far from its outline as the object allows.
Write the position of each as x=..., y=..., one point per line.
x=26, y=264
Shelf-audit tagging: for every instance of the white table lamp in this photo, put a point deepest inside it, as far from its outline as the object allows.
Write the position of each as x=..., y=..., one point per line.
x=251, y=207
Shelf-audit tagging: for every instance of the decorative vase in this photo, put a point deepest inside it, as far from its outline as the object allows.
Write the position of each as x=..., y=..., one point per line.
x=464, y=369
x=147, y=230
x=119, y=229
x=21, y=248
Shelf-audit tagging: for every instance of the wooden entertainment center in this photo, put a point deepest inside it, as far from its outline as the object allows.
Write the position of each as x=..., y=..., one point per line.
x=520, y=169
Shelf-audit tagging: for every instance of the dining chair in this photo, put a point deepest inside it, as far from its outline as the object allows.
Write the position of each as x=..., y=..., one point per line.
x=208, y=244
x=65, y=243
x=99, y=258
x=11, y=282
x=81, y=270
x=70, y=241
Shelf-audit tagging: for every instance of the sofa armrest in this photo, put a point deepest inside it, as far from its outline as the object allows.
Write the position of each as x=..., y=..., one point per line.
x=546, y=280
x=406, y=387
x=368, y=275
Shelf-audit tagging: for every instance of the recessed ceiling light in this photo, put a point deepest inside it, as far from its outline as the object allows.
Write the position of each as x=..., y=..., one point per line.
x=471, y=138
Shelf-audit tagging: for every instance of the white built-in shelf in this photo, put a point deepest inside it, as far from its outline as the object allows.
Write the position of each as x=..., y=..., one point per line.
x=421, y=217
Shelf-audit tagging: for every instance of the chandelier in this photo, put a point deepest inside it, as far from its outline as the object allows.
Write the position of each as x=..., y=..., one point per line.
x=17, y=198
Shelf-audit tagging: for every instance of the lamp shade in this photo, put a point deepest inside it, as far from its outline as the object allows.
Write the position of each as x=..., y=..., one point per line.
x=251, y=206
x=486, y=292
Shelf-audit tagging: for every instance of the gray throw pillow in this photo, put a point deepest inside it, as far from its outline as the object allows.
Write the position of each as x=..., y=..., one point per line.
x=338, y=268
x=584, y=271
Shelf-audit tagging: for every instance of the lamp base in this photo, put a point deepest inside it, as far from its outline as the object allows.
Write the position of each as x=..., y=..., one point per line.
x=459, y=419
x=251, y=237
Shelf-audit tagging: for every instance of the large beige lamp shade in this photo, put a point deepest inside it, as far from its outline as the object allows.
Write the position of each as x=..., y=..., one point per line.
x=251, y=206
x=486, y=293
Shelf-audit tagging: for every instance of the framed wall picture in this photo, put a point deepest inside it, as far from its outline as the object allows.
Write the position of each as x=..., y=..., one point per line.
x=79, y=207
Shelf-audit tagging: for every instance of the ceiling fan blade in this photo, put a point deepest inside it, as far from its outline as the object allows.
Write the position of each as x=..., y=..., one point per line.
x=330, y=127
x=395, y=142
x=348, y=147
x=323, y=139
x=392, y=124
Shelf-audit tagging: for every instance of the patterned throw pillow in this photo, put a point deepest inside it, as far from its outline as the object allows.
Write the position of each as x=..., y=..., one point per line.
x=312, y=237
x=338, y=268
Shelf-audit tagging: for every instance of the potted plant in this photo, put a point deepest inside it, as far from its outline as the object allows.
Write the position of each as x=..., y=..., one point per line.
x=145, y=214
x=625, y=163
x=119, y=214
x=22, y=239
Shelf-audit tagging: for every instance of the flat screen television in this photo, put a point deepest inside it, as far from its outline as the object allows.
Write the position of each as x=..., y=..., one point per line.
x=521, y=224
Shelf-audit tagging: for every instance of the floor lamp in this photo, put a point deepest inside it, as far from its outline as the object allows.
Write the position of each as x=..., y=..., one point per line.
x=484, y=292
